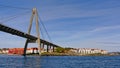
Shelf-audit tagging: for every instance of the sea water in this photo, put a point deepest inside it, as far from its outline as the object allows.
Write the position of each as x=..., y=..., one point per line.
x=59, y=61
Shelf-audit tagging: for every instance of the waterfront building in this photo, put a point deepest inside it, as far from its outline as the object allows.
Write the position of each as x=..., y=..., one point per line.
x=104, y=52
x=84, y=51
x=4, y=50
x=21, y=51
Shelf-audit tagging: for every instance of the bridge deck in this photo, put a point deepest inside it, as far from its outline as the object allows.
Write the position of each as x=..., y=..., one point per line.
x=23, y=34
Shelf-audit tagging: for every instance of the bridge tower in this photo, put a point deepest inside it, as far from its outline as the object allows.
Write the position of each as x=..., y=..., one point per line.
x=34, y=15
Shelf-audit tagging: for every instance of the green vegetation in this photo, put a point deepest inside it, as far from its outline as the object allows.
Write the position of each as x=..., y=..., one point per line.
x=62, y=50
x=54, y=54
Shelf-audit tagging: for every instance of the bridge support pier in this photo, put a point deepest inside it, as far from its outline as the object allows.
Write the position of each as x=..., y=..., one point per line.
x=47, y=48
x=53, y=49
x=25, y=48
x=42, y=47
x=50, y=48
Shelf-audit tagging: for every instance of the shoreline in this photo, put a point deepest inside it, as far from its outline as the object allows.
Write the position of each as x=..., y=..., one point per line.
x=62, y=54
x=69, y=54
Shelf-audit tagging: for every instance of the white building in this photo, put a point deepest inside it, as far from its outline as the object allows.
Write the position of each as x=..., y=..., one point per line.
x=32, y=50
x=84, y=51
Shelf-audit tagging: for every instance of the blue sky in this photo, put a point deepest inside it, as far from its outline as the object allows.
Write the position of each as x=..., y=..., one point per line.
x=70, y=23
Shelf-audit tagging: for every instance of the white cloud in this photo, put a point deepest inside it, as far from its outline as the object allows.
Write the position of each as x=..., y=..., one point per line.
x=105, y=28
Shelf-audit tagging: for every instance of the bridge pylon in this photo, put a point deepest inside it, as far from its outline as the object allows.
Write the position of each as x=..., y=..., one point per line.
x=34, y=15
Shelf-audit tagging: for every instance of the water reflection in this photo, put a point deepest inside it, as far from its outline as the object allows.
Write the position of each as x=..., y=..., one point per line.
x=31, y=62
x=19, y=62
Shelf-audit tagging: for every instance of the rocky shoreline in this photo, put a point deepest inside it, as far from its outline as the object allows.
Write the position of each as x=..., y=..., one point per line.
x=69, y=54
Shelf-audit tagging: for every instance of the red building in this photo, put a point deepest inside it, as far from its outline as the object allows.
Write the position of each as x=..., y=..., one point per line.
x=16, y=51
x=20, y=51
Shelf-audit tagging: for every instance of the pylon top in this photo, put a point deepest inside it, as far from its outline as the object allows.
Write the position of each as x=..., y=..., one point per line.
x=34, y=10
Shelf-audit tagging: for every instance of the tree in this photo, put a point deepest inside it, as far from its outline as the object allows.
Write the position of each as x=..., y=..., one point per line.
x=60, y=50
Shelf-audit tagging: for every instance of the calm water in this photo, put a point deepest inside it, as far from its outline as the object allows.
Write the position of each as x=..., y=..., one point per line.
x=59, y=62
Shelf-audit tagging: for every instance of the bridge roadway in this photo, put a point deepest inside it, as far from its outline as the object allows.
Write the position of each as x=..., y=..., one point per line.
x=12, y=31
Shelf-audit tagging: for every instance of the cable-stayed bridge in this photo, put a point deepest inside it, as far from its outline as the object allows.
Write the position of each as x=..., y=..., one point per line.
x=30, y=38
